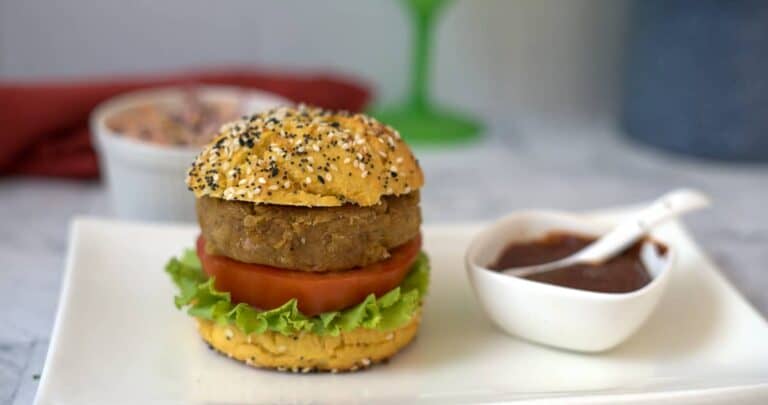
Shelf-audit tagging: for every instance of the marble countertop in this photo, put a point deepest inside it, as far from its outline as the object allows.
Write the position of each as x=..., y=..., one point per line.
x=574, y=170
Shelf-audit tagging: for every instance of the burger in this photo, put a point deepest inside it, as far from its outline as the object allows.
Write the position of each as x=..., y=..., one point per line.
x=309, y=257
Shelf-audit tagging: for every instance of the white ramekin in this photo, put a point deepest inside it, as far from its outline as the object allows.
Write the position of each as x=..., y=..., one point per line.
x=146, y=181
x=552, y=315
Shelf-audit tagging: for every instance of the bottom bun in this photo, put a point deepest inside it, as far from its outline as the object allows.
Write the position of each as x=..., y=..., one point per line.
x=349, y=351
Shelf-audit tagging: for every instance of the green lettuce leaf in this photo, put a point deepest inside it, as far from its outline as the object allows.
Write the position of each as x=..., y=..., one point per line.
x=199, y=296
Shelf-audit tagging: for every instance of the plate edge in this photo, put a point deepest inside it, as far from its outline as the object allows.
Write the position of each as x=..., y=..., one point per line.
x=73, y=236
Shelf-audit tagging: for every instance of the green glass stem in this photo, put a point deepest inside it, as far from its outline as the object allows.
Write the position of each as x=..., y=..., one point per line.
x=423, y=25
x=417, y=118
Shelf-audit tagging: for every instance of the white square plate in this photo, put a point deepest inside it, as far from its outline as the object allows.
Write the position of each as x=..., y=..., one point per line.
x=119, y=339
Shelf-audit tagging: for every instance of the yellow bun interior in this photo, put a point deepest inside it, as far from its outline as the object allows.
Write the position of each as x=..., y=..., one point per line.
x=350, y=351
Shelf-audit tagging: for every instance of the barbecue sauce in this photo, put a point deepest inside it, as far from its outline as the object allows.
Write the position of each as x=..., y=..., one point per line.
x=621, y=274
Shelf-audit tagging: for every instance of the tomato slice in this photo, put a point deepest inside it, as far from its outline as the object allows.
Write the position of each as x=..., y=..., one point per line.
x=267, y=287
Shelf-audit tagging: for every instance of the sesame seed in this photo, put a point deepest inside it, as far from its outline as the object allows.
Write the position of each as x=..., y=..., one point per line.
x=305, y=370
x=399, y=159
x=310, y=169
x=262, y=180
x=366, y=362
x=308, y=180
x=281, y=349
x=228, y=334
x=316, y=147
x=273, y=187
x=390, y=336
x=347, y=160
x=287, y=184
x=381, y=152
x=328, y=177
x=364, y=174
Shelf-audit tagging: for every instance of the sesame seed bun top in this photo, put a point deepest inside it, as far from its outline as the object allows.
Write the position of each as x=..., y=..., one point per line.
x=305, y=156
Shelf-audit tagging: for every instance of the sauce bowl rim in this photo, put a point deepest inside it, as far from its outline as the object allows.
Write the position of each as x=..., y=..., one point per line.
x=471, y=259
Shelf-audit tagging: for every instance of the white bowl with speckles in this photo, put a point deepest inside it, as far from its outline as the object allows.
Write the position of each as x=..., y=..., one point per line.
x=146, y=181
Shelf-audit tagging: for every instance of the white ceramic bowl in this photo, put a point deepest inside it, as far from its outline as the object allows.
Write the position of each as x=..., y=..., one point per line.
x=146, y=180
x=553, y=315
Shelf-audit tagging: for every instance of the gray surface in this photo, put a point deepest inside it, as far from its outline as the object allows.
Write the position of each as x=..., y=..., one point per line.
x=567, y=170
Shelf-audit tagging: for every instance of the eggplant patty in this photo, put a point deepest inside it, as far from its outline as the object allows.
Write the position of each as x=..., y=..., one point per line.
x=305, y=238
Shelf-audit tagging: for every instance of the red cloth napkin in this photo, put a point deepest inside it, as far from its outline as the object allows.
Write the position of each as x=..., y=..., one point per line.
x=45, y=125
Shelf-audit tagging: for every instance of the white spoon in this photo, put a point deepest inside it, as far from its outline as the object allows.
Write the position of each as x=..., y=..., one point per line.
x=629, y=231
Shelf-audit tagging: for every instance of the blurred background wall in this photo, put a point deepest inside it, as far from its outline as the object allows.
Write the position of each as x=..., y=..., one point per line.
x=525, y=62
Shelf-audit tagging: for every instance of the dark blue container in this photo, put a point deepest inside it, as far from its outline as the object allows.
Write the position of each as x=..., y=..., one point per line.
x=696, y=77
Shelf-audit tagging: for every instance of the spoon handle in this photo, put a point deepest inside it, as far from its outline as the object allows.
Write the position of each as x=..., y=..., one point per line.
x=629, y=231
